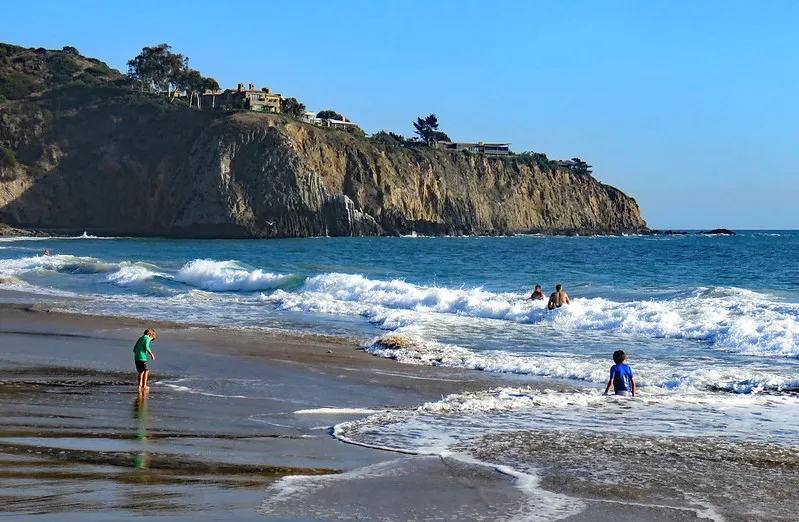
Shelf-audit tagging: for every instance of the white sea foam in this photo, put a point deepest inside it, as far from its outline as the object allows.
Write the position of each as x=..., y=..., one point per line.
x=58, y=263
x=130, y=274
x=124, y=273
x=435, y=353
x=13, y=239
x=649, y=373
x=457, y=420
x=335, y=411
x=726, y=318
x=294, y=495
x=186, y=389
x=226, y=276
x=527, y=399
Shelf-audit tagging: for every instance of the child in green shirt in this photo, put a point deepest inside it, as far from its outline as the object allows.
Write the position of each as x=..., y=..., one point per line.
x=140, y=351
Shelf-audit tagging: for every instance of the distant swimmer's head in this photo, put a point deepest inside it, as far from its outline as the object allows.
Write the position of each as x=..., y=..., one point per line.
x=619, y=356
x=150, y=333
x=558, y=287
x=537, y=288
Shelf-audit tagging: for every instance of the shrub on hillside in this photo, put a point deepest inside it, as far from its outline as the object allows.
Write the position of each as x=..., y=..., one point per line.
x=537, y=159
x=8, y=49
x=356, y=131
x=16, y=86
x=99, y=69
x=88, y=79
x=390, y=139
x=79, y=93
x=63, y=68
x=328, y=114
x=7, y=158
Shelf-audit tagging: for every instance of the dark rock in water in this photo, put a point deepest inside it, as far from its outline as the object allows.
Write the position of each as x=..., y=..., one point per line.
x=670, y=233
x=6, y=230
x=718, y=231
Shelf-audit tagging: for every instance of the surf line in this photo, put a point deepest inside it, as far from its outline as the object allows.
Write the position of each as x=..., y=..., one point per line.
x=527, y=483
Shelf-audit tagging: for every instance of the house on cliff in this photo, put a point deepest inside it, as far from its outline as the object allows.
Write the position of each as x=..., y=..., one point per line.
x=489, y=149
x=342, y=124
x=251, y=98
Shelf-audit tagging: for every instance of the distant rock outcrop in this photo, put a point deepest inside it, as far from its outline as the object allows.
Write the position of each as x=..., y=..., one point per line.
x=718, y=231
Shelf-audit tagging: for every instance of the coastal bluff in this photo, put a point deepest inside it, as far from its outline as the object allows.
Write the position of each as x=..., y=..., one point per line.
x=100, y=157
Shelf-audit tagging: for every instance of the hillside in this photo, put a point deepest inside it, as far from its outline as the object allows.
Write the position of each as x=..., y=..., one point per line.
x=26, y=72
x=80, y=150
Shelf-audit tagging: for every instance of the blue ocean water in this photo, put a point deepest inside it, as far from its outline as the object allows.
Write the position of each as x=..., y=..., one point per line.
x=710, y=323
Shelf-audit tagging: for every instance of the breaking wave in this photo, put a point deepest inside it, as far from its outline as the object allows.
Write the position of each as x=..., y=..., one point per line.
x=227, y=276
x=130, y=274
x=731, y=319
x=63, y=263
x=650, y=374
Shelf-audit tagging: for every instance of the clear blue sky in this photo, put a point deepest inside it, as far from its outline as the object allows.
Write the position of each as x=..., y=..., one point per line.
x=691, y=107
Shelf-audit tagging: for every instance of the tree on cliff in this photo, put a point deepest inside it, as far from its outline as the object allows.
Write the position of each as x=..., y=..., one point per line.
x=193, y=83
x=387, y=138
x=580, y=167
x=209, y=84
x=327, y=114
x=292, y=107
x=538, y=159
x=427, y=129
x=158, y=68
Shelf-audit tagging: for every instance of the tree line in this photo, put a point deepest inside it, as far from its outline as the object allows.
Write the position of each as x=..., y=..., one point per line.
x=158, y=69
x=427, y=133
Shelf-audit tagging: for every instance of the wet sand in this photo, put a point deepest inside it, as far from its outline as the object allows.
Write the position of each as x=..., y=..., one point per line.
x=77, y=442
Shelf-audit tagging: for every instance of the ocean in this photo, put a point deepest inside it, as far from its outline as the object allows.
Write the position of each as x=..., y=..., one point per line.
x=710, y=325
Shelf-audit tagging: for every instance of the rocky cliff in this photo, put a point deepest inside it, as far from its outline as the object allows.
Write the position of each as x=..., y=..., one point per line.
x=102, y=159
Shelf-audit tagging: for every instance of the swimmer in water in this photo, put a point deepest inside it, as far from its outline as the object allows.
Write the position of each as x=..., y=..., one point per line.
x=558, y=298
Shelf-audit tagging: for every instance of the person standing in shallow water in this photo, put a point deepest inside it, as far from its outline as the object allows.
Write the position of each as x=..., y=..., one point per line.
x=140, y=351
x=621, y=376
x=558, y=298
x=537, y=293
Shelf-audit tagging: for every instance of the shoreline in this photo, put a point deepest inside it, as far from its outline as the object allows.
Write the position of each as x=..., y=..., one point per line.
x=72, y=416
x=76, y=443
x=102, y=233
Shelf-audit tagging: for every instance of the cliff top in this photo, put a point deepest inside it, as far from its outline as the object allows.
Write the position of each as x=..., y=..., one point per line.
x=29, y=72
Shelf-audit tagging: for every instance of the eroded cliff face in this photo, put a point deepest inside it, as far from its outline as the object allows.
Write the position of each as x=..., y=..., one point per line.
x=140, y=170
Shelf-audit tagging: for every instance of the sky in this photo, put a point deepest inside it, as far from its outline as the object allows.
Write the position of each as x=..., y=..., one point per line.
x=691, y=107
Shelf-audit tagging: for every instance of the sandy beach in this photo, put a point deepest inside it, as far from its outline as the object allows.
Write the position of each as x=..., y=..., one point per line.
x=77, y=441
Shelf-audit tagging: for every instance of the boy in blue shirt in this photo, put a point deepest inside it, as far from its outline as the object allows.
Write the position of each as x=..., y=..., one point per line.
x=621, y=376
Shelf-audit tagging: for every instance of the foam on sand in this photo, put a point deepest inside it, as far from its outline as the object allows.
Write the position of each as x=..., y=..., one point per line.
x=335, y=411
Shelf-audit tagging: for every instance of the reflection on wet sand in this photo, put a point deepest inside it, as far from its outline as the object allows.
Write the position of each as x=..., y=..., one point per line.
x=142, y=459
x=71, y=437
